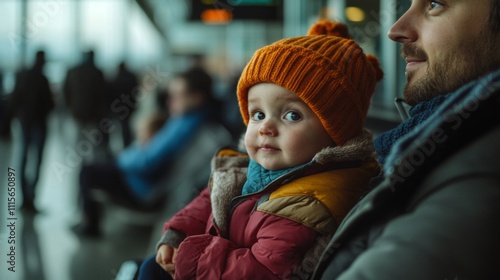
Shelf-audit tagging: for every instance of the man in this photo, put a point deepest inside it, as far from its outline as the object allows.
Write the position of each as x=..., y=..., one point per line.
x=124, y=83
x=85, y=96
x=31, y=103
x=434, y=215
x=141, y=175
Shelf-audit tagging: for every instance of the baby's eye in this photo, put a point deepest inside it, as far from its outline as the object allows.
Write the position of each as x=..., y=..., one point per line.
x=292, y=116
x=258, y=116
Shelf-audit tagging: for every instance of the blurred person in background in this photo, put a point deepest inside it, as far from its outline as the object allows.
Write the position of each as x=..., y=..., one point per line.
x=232, y=118
x=31, y=103
x=85, y=95
x=4, y=113
x=1, y=82
x=132, y=176
x=123, y=83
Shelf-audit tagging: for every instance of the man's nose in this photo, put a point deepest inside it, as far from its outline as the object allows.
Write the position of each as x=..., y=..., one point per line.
x=403, y=30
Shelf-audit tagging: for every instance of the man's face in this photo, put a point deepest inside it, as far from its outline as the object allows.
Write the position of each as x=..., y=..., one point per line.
x=180, y=100
x=445, y=44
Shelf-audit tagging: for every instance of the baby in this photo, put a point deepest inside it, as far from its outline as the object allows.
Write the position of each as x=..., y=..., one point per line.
x=304, y=101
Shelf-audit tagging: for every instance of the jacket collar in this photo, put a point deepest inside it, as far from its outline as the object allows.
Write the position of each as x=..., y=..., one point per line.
x=258, y=177
x=229, y=170
x=443, y=131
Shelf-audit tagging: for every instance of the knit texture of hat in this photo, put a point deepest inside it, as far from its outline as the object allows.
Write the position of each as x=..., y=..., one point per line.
x=326, y=69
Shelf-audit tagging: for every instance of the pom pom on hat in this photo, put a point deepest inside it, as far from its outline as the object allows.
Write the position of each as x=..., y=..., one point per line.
x=330, y=28
x=326, y=69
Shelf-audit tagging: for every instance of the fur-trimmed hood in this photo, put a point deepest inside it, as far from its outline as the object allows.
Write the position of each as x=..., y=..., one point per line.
x=357, y=149
x=229, y=171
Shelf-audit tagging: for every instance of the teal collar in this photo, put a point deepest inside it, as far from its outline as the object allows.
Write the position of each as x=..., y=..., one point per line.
x=258, y=177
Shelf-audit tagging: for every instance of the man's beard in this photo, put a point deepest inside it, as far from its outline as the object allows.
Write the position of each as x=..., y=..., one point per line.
x=472, y=59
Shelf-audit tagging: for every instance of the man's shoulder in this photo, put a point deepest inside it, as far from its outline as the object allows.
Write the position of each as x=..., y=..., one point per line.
x=459, y=144
x=481, y=155
x=477, y=160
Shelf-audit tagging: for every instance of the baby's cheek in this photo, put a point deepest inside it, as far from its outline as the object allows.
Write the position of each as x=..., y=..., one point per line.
x=250, y=135
x=250, y=140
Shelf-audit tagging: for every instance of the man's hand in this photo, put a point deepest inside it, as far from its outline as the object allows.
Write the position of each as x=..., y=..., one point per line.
x=166, y=257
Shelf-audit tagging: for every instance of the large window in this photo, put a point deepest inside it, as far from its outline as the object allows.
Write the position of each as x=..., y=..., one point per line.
x=115, y=29
x=10, y=33
x=103, y=27
x=363, y=18
x=369, y=22
x=10, y=40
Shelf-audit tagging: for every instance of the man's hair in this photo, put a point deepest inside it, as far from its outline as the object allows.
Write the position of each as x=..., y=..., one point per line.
x=495, y=16
x=198, y=80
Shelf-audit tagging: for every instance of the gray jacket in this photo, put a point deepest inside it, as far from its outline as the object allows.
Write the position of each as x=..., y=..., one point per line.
x=435, y=215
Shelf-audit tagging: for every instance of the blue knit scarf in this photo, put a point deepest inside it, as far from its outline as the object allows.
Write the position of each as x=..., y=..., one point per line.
x=471, y=93
x=258, y=177
x=418, y=113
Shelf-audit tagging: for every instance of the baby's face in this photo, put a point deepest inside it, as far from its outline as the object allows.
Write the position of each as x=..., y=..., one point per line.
x=282, y=130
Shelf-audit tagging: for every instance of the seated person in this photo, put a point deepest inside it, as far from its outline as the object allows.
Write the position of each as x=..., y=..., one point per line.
x=131, y=177
x=309, y=161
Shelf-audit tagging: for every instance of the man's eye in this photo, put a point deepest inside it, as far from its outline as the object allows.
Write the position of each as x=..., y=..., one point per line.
x=434, y=5
x=258, y=116
x=292, y=116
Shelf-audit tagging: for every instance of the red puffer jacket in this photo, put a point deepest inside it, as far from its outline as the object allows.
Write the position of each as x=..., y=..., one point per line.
x=224, y=235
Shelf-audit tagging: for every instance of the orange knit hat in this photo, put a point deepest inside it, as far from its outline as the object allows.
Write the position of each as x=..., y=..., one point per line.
x=326, y=69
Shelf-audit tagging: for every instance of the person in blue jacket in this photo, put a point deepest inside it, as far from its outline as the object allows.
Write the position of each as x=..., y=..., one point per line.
x=131, y=177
